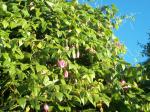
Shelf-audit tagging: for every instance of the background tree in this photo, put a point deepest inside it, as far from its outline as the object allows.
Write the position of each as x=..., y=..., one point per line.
x=146, y=64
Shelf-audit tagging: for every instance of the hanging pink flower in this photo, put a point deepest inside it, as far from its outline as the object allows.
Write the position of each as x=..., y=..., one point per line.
x=118, y=44
x=123, y=82
x=126, y=87
x=62, y=64
x=66, y=74
x=46, y=108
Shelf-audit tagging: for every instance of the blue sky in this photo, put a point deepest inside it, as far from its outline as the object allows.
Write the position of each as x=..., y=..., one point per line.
x=132, y=32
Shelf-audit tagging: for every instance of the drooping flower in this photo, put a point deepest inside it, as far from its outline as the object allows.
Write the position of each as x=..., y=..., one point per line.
x=73, y=53
x=78, y=54
x=66, y=74
x=123, y=82
x=62, y=64
x=119, y=45
x=126, y=87
x=46, y=108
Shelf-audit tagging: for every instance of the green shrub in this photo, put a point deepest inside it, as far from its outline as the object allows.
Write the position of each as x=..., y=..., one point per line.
x=63, y=56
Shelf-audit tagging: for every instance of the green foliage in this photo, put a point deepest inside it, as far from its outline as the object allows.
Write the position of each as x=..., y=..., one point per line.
x=145, y=83
x=64, y=54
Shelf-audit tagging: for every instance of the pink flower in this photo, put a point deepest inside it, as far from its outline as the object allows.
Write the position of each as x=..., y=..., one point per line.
x=118, y=44
x=66, y=74
x=46, y=107
x=62, y=64
x=126, y=87
x=123, y=82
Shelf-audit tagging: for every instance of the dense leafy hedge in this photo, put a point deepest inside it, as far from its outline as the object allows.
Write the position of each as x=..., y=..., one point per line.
x=63, y=56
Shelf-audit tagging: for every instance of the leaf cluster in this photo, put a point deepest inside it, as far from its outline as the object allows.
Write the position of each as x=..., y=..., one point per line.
x=66, y=55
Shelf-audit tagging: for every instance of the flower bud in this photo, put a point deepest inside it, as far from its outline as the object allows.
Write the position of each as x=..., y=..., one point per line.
x=123, y=82
x=46, y=107
x=66, y=74
x=78, y=54
x=73, y=53
x=125, y=88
